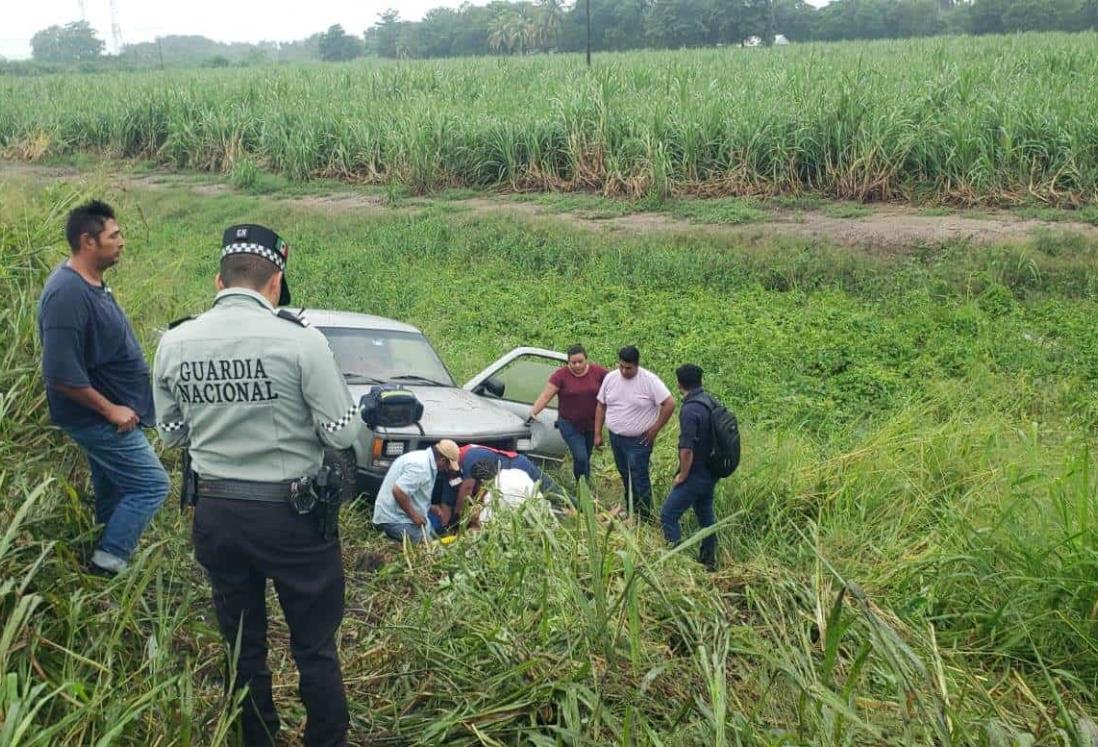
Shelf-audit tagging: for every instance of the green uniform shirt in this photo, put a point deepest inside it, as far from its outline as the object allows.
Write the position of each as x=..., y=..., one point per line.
x=253, y=395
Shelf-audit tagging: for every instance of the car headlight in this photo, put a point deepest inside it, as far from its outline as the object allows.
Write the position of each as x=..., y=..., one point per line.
x=384, y=451
x=524, y=444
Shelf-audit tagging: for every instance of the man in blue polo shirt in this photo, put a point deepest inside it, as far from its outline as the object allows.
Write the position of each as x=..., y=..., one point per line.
x=454, y=498
x=97, y=384
x=694, y=483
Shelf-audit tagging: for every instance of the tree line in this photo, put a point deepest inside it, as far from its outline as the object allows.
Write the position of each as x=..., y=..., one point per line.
x=550, y=25
x=77, y=45
x=542, y=26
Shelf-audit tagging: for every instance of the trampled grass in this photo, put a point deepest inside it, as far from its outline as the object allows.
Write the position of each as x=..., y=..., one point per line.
x=908, y=552
x=965, y=120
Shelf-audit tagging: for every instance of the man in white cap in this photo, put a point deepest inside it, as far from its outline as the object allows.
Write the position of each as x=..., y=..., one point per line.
x=404, y=499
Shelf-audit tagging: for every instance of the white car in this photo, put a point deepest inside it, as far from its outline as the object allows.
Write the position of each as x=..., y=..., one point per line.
x=489, y=409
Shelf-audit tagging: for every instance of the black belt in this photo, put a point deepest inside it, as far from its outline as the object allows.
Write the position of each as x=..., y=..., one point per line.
x=245, y=490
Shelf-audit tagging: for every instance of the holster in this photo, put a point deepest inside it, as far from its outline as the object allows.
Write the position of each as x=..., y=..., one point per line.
x=188, y=491
x=329, y=481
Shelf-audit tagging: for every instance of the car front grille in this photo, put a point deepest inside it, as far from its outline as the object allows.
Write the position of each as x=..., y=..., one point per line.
x=505, y=444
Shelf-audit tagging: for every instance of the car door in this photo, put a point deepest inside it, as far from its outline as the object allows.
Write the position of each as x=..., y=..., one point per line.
x=515, y=381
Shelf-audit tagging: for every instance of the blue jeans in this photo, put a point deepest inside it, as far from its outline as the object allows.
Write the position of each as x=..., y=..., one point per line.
x=129, y=483
x=414, y=532
x=580, y=443
x=697, y=493
x=632, y=455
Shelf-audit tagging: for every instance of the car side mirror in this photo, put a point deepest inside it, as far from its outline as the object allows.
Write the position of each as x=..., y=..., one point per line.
x=492, y=386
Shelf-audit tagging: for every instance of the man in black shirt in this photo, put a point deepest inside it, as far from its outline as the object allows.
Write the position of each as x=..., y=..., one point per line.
x=97, y=384
x=694, y=483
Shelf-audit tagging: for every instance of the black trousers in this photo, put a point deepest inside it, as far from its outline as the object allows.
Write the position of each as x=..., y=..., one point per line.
x=243, y=543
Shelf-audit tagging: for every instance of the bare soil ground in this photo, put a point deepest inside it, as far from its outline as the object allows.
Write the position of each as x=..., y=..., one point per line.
x=887, y=227
x=890, y=227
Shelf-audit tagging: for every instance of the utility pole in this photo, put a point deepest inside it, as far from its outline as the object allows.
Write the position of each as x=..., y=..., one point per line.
x=588, y=33
x=116, y=28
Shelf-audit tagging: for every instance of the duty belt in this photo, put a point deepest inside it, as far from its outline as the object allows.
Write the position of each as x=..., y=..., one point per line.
x=246, y=490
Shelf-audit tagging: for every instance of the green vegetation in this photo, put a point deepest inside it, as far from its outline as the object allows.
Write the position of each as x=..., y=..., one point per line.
x=847, y=210
x=544, y=25
x=1084, y=215
x=908, y=551
x=336, y=45
x=71, y=43
x=727, y=210
x=948, y=120
x=517, y=27
x=584, y=205
x=936, y=212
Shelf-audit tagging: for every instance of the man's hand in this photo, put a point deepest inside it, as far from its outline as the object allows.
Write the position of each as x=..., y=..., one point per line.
x=597, y=443
x=419, y=520
x=650, y=435
x=443, y=513
x=680, y=478
x=122, y=418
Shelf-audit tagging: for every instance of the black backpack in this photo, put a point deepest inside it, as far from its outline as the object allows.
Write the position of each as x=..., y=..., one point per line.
x=725, y=457
x=390, y=406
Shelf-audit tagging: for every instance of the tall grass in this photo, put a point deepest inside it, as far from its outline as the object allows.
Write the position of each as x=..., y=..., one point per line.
x=992, y=119
x=906, y=558
x=82, y=661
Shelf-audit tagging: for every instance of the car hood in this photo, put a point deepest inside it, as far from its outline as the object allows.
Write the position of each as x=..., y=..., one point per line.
x=449, y=412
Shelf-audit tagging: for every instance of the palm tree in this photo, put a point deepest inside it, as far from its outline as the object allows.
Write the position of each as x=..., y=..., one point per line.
x=500, y=34
x=513, y=31
x=531, y=33
x=516, y=32
x=551, y=19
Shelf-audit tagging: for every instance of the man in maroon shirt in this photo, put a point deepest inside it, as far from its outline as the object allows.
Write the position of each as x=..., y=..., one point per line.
x=575, y=387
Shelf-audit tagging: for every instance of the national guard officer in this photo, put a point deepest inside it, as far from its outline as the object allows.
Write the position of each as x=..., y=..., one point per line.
x=255, y=395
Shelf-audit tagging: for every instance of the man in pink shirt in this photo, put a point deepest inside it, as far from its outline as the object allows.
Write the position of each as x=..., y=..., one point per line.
x=635, y=405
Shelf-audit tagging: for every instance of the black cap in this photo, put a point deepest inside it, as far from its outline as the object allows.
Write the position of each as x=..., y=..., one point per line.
x=249, y=238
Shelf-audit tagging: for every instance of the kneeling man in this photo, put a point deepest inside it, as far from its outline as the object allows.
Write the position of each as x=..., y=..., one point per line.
x=404, y=499
x=507, y=488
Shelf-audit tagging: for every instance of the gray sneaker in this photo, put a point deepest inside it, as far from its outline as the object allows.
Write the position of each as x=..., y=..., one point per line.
x=107, y=563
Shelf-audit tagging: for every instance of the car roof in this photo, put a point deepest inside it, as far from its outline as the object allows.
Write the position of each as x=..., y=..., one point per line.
x=353, y=320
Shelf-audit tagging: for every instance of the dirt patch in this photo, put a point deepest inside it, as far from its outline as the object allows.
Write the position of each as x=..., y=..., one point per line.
x=336, y=204
x=893, y=227
x=488, y=205
x=896, y=227
x=331, y=204
x=888, y=227
x=36, y=171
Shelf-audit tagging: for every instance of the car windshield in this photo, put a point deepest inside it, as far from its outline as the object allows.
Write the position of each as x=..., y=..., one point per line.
x=372, y=355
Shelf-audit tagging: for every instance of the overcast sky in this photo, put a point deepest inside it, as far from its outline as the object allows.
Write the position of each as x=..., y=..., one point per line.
x=223, y=20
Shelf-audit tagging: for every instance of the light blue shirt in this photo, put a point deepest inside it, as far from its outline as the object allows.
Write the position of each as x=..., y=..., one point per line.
x=415, y=474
